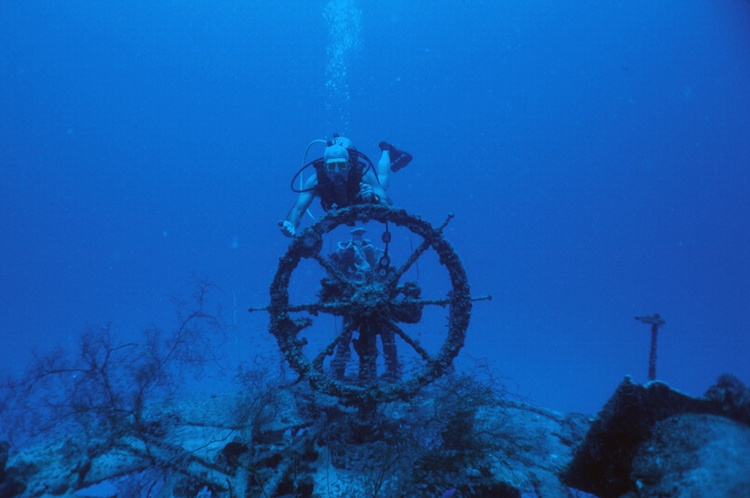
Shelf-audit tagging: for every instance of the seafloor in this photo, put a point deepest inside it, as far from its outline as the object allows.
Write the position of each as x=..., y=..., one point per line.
x=458, y=437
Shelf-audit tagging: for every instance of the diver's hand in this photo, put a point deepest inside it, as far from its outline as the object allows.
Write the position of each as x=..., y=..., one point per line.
x=366, y=193
x=287, y=228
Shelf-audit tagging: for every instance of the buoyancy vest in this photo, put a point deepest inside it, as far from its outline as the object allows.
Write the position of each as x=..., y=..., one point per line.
x=343, y=194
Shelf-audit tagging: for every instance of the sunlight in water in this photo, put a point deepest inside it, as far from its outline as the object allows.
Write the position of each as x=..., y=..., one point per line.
x=344, y=21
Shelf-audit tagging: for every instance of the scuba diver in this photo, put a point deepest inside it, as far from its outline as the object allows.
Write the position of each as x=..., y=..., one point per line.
x=344, y=177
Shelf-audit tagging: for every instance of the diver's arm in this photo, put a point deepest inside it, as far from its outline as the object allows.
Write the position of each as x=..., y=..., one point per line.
x=382, y=197
x=377, y=190
x=303, y=202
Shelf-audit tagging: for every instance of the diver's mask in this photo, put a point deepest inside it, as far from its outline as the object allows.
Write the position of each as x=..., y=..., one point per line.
x=336, y=167
x=337, y=159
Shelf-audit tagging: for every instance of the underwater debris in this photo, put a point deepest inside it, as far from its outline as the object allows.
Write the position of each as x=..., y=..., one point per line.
x=373, y=306
x=655, y=321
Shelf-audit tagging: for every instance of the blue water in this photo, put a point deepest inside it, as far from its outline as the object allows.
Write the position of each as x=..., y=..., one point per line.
x=595, y=155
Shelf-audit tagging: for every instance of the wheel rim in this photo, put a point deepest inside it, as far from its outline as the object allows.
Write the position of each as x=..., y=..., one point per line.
x=369, y=304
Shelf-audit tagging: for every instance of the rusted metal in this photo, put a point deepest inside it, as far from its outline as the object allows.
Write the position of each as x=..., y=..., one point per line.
x=369, y=307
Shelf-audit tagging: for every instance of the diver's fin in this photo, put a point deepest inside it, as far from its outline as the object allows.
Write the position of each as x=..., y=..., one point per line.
x=399, y=158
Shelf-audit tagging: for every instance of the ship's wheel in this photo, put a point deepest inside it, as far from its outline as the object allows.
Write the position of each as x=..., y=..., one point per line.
x=369, y=303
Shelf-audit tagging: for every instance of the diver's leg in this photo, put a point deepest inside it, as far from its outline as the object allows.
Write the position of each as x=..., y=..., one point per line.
x=384, y=169
x=392, y=367
x=342, y=356
x=367, y=350
x=397, y=159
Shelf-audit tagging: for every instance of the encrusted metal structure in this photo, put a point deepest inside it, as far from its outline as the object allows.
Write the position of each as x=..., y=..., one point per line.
x=373, y=307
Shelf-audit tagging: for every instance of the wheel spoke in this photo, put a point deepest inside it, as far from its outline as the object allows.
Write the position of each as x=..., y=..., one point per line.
x=424, y=302
x=421, y=248
x=411, y=342
x=328, y=351
x=334, y=308
x=333, y=272
x=438, y=302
